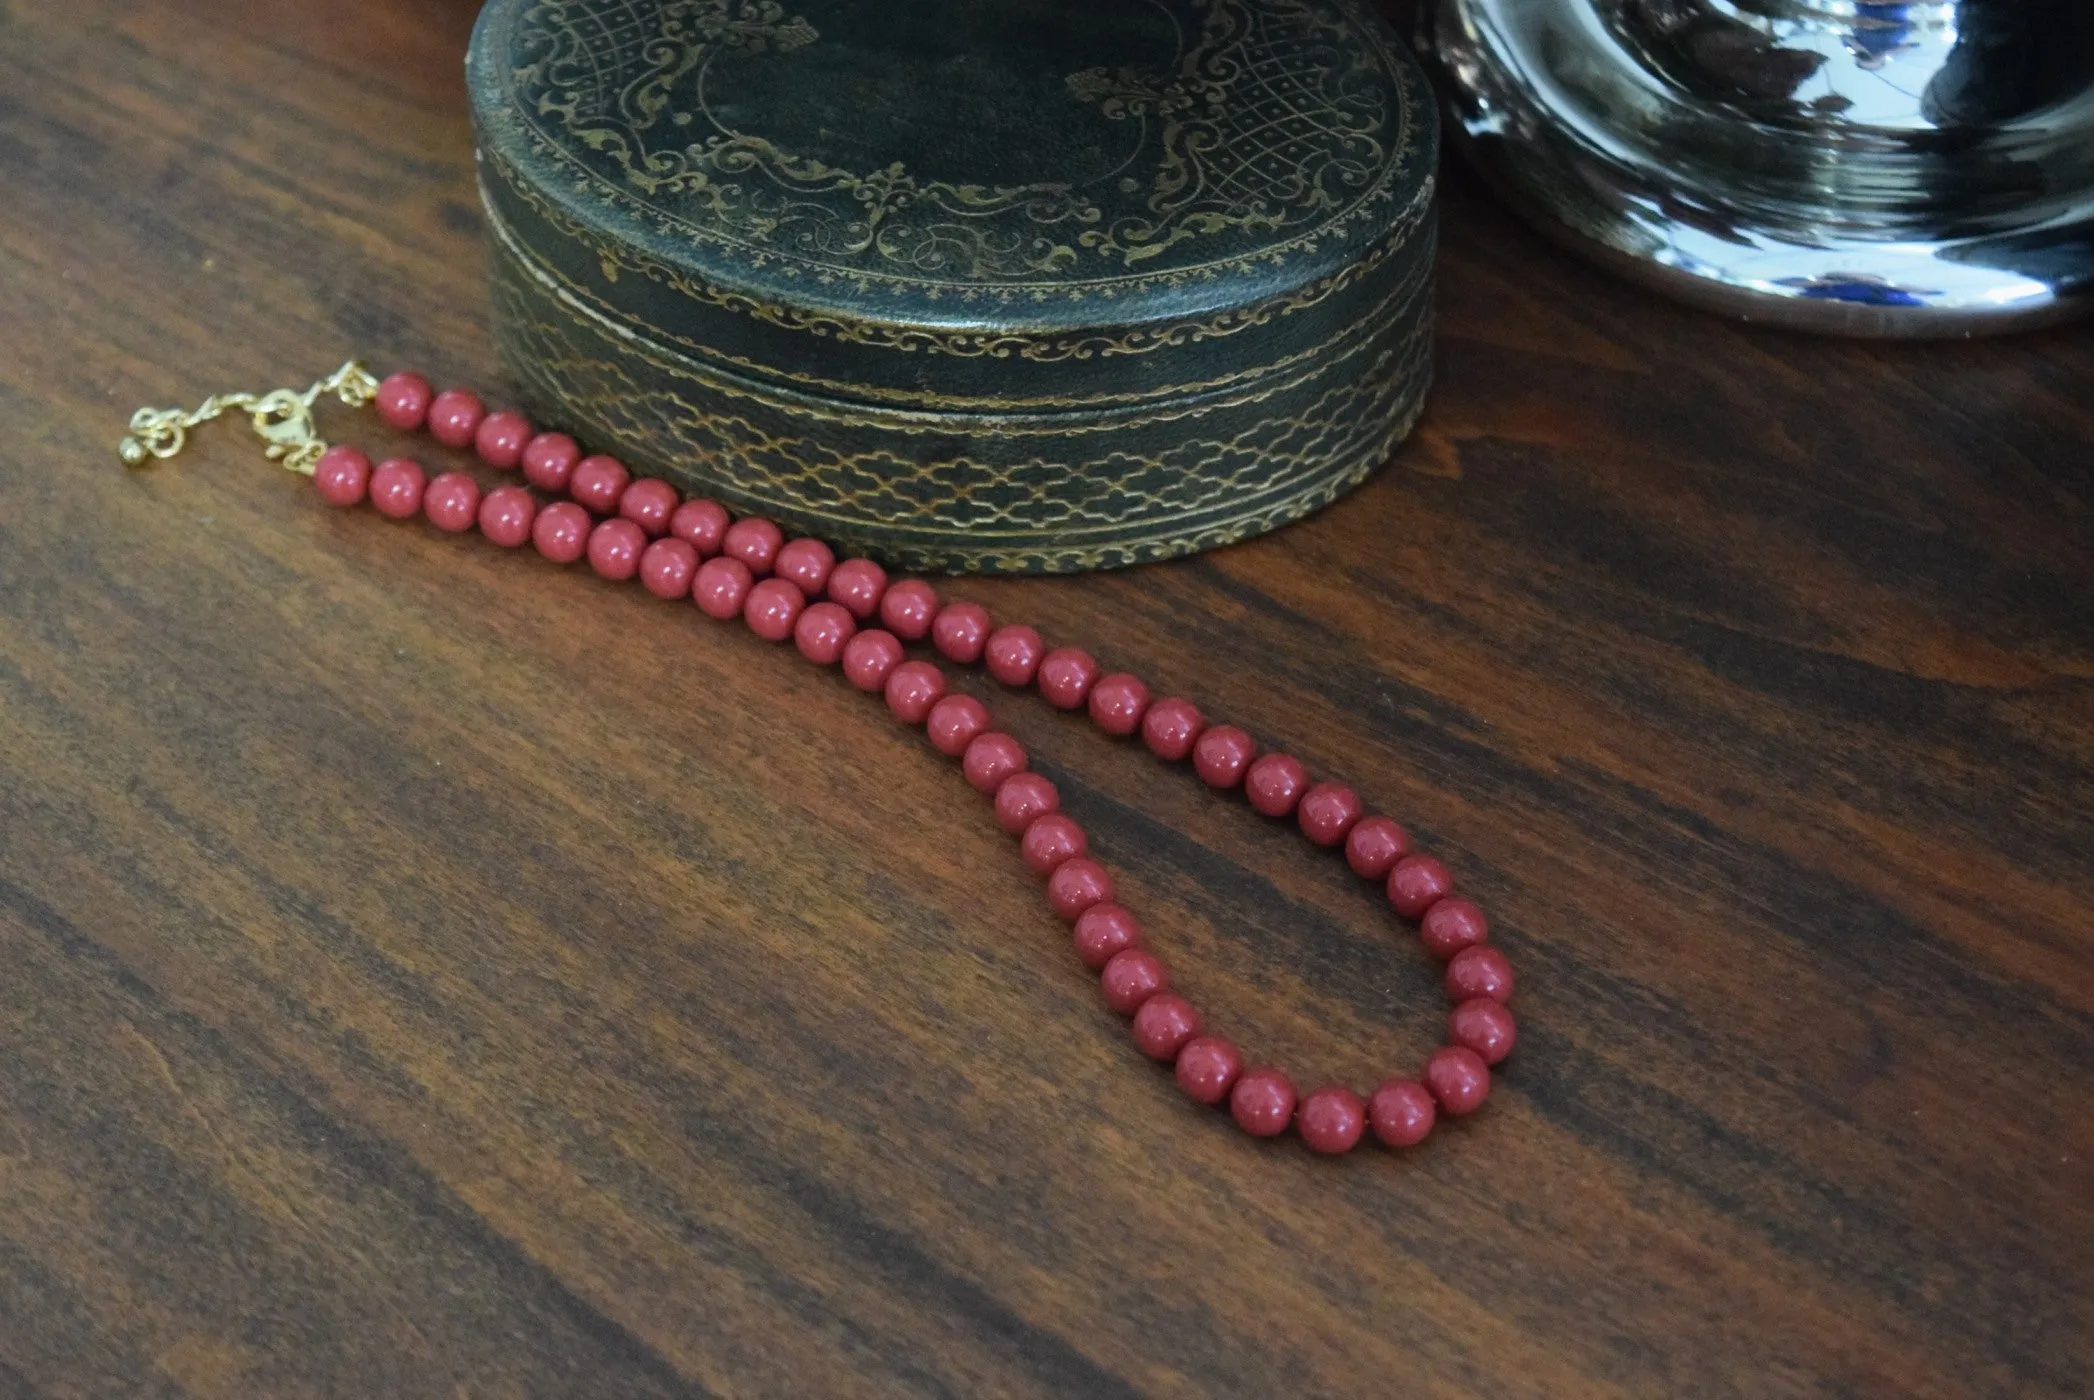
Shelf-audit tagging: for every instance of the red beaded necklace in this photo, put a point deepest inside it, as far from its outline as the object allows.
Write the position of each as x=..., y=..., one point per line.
x=591, y=507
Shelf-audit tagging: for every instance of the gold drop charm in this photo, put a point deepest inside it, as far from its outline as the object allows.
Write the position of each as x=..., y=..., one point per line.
x=282, y=418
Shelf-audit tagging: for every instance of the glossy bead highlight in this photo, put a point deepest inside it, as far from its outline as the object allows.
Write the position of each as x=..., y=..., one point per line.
x=598, y=482
x=990, y=759
x=1117, y=703
x=1459, y=1080
x=1327, y=812
x=961, y=631
x=1130, y=979
x=1066, y=676
x=913, y=688
x=507, y=514
x=561, y=532
x=1450, y=925
x=1013, y=654
x=615, y=547
x=342, y=476
x=1162, y=1026
x=1207, y=1067
x=822, y=633
x=396, y=488
x=1022, y=798
x=869, y=657
x=549, y=460
x=1275, y=783
x=1479, y=972
x=908, y=608
x=755, y=541
x=1079, y=883
x=1416, y=883
x=722, y=586
x=1103, y=932
x=1401, y=1112
x=501, y=438
x=1171, y=727
x=1222, y=754
x=650, y=503
x=954, y=722
x=454, y=417
x=702, y=524
x=1262, y=1102
x=452, y=502
x=1374, y=845
x=858, y=584
x=1484, y=1026
x=668, y=568
x=772, y=608
x=403, y=401
x=1049, y=841
x=1331, y=1120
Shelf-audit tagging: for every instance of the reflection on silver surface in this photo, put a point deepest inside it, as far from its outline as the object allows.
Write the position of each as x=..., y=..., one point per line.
x=1920, y=168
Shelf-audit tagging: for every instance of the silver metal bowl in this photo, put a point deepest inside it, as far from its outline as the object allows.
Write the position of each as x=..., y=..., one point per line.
x=1885, y=169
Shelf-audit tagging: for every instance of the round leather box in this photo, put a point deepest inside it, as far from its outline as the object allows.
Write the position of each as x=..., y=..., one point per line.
x=971, y=285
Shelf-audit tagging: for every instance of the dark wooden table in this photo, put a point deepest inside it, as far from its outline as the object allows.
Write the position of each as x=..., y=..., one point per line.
x=422, y=973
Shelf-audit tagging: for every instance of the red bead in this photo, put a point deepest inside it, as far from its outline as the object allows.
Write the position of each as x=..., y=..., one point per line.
x=1118, y=702
x=806, y=563
x=650, y=503
x=702, y=524
x=912, y=689
x=452, y=502
x=990, y=759
x=1484, y=1026
x=1103, y=932
x=1479, y=972
x=1075, y=885
x=507, y=514
x=1401, y=1113
x=1331, y=1120
x=858, y=584
x=668, y=568
x=773, y=608
x=1262, y=1102
x=1014, y=654
x=1171, y=727
x=598, y=483
x=342, y=475
x=549, y=460
x=1451, y=925
x=908, y=607
x=870, y=657
x=1327, y=813
x=396, y=488
x=954, y=721
x=1131, y=978
x=1416, y=883
x=960, y=632
x=501, y=438
x=755, y=541
x=1221, y=754
x=822, y=632
x=1275, y=783
x=1207, y=1068
x=615, y=547
x=722, y=586
x=1458, y=1079
x=1049, y=841
x=403, y=401
x=454, y=417
x=561, y=532
x=1162, y=1026
x=1374, y=845
x=1066, y=677
x=1022, y=798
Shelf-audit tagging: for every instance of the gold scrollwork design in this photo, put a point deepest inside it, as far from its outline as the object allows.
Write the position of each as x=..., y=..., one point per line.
x=1116, y=503
x=1290, y=118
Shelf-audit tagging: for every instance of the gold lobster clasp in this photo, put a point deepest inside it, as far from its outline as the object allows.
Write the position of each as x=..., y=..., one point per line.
x=282, y=418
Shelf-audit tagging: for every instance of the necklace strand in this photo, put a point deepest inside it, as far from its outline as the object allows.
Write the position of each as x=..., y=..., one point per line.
x=797, y=589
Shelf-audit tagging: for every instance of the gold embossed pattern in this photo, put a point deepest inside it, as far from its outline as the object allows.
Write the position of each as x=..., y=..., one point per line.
x=924, y=508
x=1287, y=123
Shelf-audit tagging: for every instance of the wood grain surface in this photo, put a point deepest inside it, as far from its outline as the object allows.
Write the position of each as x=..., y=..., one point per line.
x=424, y=972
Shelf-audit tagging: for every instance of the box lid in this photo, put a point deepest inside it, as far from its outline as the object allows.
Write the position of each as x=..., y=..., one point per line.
x=959, y=205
